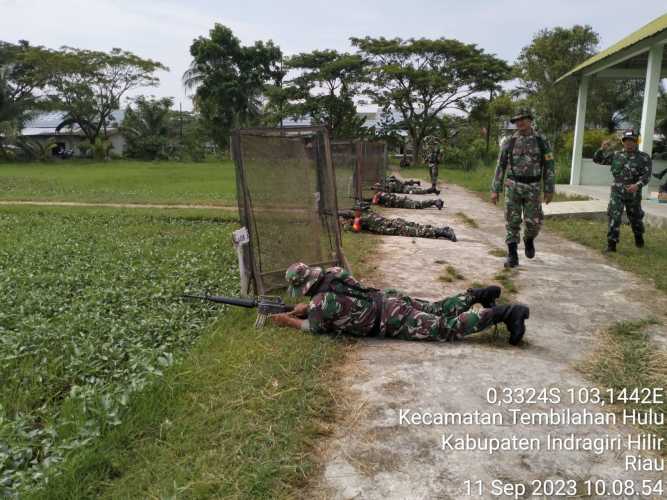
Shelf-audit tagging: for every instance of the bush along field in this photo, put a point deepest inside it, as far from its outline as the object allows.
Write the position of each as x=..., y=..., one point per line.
x=91, y=314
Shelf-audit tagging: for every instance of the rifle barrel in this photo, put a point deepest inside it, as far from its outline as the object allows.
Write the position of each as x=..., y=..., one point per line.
x=232, y=301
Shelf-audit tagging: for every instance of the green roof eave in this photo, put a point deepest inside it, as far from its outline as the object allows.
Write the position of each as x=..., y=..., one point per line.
x=653, y=28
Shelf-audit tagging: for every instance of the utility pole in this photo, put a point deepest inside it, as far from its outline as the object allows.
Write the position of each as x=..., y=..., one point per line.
x=180, y=117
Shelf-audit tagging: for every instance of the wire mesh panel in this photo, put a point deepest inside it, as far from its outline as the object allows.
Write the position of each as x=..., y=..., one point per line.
x=372, y=165
x=345, y=162
x=287, y=200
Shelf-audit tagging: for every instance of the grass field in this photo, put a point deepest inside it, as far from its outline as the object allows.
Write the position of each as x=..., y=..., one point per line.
x=121, y=181
x=114, y=387
x=649, y=262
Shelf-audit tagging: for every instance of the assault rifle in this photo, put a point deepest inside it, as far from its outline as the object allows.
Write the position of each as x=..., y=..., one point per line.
x=266, y=305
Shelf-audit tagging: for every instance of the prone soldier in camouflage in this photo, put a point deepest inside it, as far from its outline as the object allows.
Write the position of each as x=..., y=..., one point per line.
x=529, y=163
x=394, y=185
x=339, y=304
x=631, y=169
x=393, y=201
x=370, y=222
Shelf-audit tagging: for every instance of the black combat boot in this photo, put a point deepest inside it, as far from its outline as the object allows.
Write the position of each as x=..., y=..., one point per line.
x=436, y=191
x=639, y=240
x=439, y=203
x=529, y=247
x=611, y=246
x=445, y=232
x=485, y=296
x=514, y=317
x=512, y=256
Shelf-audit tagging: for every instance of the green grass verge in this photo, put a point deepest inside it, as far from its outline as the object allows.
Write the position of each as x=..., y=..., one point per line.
x=626, y=359
x=91, y=315
x=237, y=418
x=649, y=262
x=120, y=181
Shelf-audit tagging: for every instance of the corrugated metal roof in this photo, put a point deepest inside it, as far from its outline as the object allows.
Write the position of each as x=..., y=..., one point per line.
x=651, y=29
x=52, y=119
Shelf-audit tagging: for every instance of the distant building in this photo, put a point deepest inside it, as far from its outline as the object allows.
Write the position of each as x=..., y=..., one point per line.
x=42, y=128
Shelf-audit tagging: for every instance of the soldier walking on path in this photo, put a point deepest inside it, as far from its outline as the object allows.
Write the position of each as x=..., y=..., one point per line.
x=393, y=201
x=433, y=162
x=527, y=159
x=339, y=304
x=631, y=169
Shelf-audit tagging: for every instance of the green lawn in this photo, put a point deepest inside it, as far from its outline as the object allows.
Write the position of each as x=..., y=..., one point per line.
x=114, y=387
x=649, y=262
x=120, y=181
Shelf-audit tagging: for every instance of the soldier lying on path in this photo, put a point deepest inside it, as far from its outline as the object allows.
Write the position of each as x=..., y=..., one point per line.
x=339, y=304
x=394, y=185
x=370, y=222
x=393, y=201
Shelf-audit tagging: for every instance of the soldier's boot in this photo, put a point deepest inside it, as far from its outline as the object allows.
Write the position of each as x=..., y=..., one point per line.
x=514, y=317
x=485, y=296
x=445, y=232
x=639, y=240
x=512, y=256
x=660, y=175
x=439, y=203
x=611, y=246
x=529, y=247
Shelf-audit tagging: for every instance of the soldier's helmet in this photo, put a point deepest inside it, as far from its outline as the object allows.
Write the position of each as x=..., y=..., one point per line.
x=629, y=134
x=522, y=113
x=301, y=278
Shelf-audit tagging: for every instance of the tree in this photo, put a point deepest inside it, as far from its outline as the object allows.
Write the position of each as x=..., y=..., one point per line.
x=551, y=54
x=24, y=70
x=488, y=114
x=89, y=85
x=230, y=79
x=325, y=89
x=147, y=128
x=421, y=79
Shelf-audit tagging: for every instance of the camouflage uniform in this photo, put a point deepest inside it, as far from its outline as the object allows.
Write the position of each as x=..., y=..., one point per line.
x=347, y=307
x=377, y=224
x=393, y=185
x=433, y=161
x=528, y=166
x=391, y=200
x=627, y=168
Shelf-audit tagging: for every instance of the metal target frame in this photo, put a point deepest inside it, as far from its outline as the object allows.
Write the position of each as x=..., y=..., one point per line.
x=287, y=200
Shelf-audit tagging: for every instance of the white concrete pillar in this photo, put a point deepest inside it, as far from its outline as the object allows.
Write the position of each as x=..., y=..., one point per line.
x=650, y=105
x=579, y=125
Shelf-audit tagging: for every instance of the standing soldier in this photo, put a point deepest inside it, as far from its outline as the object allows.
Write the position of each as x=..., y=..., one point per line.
x=529, y=163
x=632, y=171
x=433, y=161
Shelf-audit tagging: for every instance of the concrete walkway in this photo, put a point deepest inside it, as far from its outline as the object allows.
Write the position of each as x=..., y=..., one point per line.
x=572, y=292
x=656, y=213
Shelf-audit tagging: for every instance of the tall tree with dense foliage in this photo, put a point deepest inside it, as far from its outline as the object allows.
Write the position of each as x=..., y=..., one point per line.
x=324, y=90
x=230, y=79
x=551, y=54
x=89, y=85
x=24, y=71
x=421, y=79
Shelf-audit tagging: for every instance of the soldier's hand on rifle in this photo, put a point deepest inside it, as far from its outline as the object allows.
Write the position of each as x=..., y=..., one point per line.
x=632, y=188
x=494, y=198
x=548, y=197
x=300, y=311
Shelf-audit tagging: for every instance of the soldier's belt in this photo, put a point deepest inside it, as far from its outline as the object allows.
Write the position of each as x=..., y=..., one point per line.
x=526, y=179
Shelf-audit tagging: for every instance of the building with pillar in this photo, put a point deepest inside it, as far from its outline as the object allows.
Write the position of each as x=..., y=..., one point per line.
x=640, y=55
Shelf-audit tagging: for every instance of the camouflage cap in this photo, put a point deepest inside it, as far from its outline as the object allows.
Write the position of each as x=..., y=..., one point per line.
x=629, y=134
x=301, y=278
x=522, y=113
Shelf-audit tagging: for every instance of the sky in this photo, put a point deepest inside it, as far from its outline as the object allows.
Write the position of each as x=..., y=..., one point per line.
x=163, y=30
